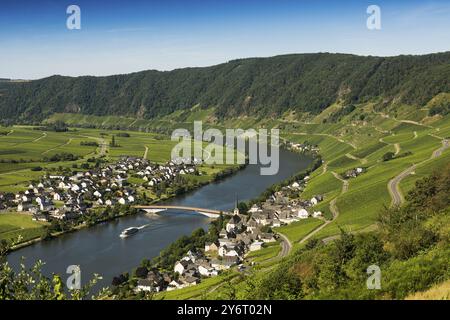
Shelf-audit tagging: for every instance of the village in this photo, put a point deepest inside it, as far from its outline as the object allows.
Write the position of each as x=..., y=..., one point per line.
x=243, y=233
x=69, y=195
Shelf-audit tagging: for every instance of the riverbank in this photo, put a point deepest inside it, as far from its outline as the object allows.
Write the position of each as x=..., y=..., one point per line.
x=99, y=249
x=162, y=266
x=124, y=211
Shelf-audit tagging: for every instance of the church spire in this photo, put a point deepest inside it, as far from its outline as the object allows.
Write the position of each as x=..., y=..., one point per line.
x=236, y=209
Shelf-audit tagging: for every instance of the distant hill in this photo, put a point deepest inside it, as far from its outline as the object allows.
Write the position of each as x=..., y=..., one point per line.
x=255, y=86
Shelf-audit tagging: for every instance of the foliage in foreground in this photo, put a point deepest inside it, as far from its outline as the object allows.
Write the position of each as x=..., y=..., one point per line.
x=31, y=284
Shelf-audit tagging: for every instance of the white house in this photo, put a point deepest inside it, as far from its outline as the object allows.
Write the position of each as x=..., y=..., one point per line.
x=97, y=194
x=180, y=266
x=254, y=209
x=206, y=270
x=302, y=214
x=317, y=214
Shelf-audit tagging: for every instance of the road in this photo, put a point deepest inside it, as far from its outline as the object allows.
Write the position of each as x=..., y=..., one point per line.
x=286, y=246
x=393, y=185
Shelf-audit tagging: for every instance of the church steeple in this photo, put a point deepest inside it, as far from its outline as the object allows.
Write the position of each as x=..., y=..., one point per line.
x=236, y=209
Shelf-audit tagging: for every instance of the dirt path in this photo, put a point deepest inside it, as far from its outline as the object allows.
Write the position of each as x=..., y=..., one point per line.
x=397, y=148
x=396, y=145
x=145, y=153
x=44, y=135
x=325, y=168
x=59, y=146
x=394, y=184
x=350, y=156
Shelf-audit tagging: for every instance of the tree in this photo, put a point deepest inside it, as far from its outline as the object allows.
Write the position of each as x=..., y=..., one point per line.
x=243, y=208
x=388, y=156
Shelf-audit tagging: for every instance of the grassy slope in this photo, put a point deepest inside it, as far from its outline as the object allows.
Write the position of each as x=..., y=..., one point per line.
x=12, y=225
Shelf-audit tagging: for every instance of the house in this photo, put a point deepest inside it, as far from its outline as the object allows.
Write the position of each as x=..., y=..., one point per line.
x=302, y=214
x=317, y=214
x=276, y=223
x=144, y=285
x=211, y=246
x=24, y=206
x=40, y=217
x=267, y=237
x=234, y=223
x=316, y=199
x=254, y=209
x=295, y=185
x=225, y=263
x=207, y=270
x=189, y=280
x=251, y=224
x=175, y=284
x=181, y=266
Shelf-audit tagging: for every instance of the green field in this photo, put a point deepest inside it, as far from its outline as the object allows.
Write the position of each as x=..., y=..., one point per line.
x=12, y=225
x=298, y=230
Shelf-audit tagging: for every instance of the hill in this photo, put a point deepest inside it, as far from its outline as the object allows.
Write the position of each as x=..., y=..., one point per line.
x=304, y=83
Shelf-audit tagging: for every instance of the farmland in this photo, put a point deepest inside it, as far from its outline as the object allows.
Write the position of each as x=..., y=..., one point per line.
x=12, y=225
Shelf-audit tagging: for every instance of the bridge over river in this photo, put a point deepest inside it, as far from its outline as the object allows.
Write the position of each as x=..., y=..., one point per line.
x=206, y=212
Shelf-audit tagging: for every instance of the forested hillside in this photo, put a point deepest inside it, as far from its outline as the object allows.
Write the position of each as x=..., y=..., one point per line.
x=256, y=86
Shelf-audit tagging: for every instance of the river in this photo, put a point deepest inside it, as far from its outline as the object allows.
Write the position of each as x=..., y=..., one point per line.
x=99, y=249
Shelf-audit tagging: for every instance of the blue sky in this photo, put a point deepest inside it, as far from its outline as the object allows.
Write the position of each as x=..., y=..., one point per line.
x=127, y=36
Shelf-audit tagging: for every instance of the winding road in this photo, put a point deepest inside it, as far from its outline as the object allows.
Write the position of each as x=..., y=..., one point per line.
x=286, y=246
x=393, y=185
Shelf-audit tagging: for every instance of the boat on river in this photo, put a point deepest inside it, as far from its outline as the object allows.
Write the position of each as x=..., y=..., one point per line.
x=129, y=232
